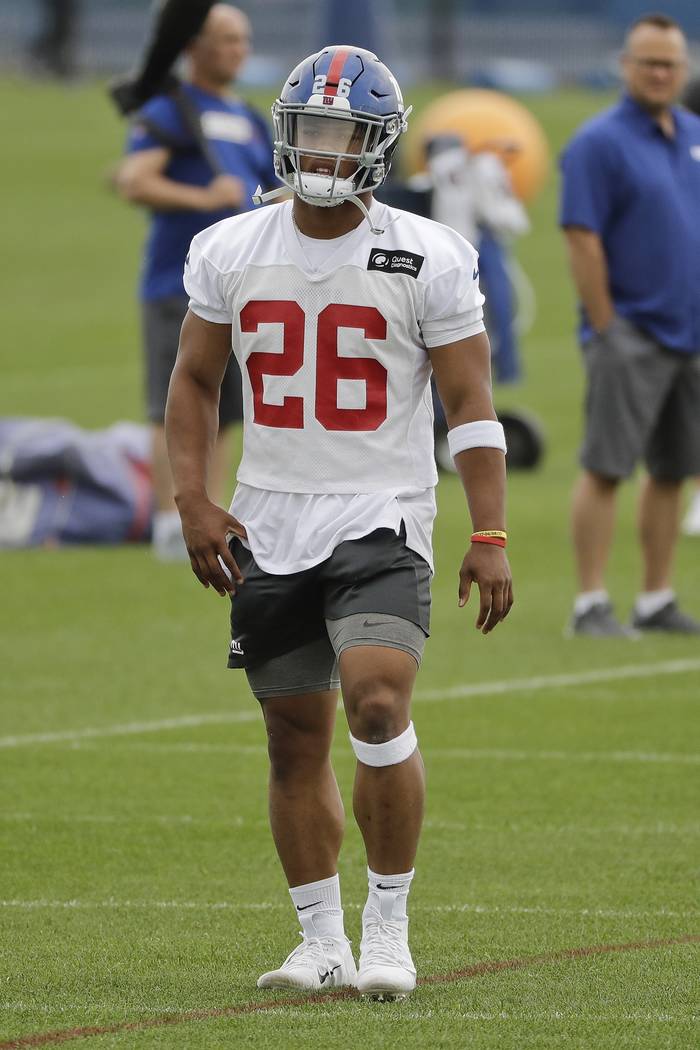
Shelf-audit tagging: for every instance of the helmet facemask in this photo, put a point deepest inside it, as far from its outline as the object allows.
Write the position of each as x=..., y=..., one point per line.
x=326, y=158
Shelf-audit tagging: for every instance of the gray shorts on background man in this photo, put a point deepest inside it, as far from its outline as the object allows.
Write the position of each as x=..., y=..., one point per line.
x=642, y=403
x=162, y=321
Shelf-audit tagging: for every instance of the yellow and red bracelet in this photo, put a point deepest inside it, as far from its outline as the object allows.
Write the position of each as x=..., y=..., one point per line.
x=495, y=536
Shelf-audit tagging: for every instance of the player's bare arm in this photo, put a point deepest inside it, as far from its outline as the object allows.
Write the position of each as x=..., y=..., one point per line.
x=191, y=426
x=463, y=376
x=141, y=179
x=589, y=269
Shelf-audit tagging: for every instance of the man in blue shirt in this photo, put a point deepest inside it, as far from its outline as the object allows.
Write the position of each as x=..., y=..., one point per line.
x=691, y=521
x=631, y=217
x=194, y=157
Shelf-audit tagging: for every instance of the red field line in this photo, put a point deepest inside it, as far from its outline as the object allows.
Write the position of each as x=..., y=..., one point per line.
x=477, y=970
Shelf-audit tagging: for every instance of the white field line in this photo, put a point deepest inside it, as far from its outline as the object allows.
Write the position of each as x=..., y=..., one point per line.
x=129, y=728
x=112, y=903
x=558, y=681
x=175, y=820
x=506, y=755
x=457, y=753
x=686, y=830
x=458, y=692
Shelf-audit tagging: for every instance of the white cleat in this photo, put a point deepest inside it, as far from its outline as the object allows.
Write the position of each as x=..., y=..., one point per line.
x=386, y=970
x=315, y=965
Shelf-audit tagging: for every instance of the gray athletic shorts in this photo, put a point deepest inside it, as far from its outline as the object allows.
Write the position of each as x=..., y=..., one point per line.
x=162, y=321
x=288, y=632
x=643, y=402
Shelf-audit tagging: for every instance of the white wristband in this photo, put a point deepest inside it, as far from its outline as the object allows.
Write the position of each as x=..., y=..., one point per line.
x=484, y=433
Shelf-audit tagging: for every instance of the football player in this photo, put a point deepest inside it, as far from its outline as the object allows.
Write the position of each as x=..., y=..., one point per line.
x=337, y=309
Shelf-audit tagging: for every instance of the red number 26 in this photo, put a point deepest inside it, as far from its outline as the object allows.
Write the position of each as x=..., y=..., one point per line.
x=330, y=367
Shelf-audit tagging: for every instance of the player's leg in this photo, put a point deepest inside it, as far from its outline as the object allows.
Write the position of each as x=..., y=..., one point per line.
x=306, y=812
x=388, y=802
x=279, y=637
x=307, y=819
x=379, y=652
x=388, y=795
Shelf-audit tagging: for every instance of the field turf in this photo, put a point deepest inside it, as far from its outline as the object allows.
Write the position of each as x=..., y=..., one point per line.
x=556, y=887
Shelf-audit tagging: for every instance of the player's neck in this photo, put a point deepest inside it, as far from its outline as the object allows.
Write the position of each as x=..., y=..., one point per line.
x=326, y=223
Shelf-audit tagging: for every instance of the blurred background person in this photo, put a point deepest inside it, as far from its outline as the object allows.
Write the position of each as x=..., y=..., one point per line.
x=691, y=521
x=630, y=212
x=472, y=193
x=52, y=50
x=194, y=156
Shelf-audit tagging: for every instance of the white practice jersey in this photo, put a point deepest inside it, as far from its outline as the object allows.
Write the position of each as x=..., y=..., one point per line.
x=332, y=351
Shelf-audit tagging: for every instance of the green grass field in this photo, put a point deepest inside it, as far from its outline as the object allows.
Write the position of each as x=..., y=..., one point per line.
x=138, y=882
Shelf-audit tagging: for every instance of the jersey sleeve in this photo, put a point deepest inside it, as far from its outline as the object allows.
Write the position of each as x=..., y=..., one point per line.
x=454, y=304
x=587, y=184
x=204, y=285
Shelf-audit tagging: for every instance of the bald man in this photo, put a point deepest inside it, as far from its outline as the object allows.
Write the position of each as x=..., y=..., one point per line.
x=194, y=156
x=630, y=212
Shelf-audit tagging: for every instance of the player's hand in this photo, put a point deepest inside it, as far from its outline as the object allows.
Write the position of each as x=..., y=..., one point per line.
x=206, y=529
x=487, y=566
x=225, y=191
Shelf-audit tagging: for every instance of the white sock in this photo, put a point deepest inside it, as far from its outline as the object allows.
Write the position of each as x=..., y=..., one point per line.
x=649, y=602
x=587, y=599
x=388, y=894
x=318, y=907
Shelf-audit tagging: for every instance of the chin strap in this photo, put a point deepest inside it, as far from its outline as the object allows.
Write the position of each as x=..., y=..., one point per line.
x=377, y=230
x=262, y=198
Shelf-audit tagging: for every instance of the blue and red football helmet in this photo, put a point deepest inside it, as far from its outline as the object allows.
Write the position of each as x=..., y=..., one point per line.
x=337, y=122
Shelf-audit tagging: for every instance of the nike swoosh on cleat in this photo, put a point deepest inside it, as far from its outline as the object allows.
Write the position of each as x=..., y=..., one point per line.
x=303, y=907
x=329, y=973
x=475, y=274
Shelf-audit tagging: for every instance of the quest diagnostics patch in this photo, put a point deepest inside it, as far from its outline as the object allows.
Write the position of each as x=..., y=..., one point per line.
x=395, y=262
